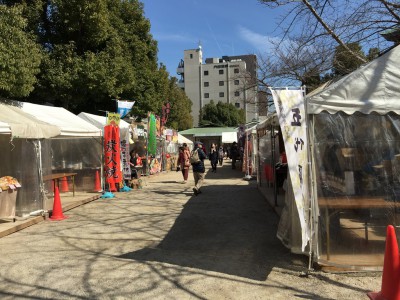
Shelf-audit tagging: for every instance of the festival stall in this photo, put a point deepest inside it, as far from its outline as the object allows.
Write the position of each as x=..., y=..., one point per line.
x=350, y=178
x=355, y=133
x=125, y=137
x=76, y=150
x=24, y=145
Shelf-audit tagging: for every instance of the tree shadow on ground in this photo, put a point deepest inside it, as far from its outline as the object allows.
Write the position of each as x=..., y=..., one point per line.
x=226, y=229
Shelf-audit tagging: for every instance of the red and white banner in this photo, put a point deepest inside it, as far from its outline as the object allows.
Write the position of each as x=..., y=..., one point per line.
x=291, y=113
x=112, y=161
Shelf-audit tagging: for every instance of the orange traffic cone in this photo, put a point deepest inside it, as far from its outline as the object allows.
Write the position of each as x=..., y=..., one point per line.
x=57, y=213
x=390, y=289
x=97, y=187
x=64, y=185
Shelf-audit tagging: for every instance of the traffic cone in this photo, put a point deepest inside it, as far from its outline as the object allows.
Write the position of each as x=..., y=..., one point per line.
x=97, y=187
x=57, y=213
x=64, y=185
x=390, y=289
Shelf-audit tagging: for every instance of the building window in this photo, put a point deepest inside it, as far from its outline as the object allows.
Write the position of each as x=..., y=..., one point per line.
x=206, y=95
x=191, y=56
x=236, y=82
x=221, y=94
x=206, y=84
x=205, y=73
x=237, y=105
x=237, y=93
x=221, y=83
x=236, y=70
x=221, y=71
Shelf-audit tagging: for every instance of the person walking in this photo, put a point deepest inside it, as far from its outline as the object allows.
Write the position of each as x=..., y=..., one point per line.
x=213, y=156
x=183, y=161
x=220, y=155
x=234, y=154
x=198, y=167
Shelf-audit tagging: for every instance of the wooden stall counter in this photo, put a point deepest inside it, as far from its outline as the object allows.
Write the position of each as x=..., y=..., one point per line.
x=56, y=179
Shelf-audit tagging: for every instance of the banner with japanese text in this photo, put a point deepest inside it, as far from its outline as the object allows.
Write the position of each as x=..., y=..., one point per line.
x=112, y=162
x=290, y=109
x=126, y=169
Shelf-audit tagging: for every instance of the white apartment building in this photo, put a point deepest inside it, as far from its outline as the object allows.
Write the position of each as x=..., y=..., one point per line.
x=230, y=79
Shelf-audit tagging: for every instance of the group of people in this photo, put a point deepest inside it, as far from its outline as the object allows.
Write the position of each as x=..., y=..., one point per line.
x=215, y=155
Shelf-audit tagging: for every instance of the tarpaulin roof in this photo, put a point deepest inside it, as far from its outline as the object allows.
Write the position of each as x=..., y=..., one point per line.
x=208, y=131
x=100, y=121
x=373, y=87
x=182, y=139
x=5, y=128
x=23, y=125
x=68, y=123
x=229, y=137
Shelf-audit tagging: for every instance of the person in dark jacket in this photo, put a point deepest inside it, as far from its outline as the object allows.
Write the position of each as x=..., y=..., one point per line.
x=234, y=154
x=213, y=156
x=198, y=168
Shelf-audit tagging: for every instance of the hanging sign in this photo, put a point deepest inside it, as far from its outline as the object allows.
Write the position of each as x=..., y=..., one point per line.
x=292, y=120
x=113, y=119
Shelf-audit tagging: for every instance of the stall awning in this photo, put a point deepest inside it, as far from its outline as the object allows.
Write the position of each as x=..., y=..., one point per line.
x=100, y=121
x=23, y=125
x=182, y=139
x=373, y=87
x=229, y=137
x=208, y=131
x=68, y=123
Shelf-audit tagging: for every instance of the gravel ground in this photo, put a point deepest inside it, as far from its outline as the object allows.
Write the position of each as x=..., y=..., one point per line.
x=162, y=242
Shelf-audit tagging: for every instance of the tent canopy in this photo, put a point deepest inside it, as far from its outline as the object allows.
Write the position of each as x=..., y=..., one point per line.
x=373, y=87
x=4, y=128
x=208, y=131
x=68, y=123
x=229, y=137
x=22, y=125
x=100, y=121
x=182, y=139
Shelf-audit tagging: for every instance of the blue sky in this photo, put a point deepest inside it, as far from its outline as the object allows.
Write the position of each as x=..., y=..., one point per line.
x=223, y=27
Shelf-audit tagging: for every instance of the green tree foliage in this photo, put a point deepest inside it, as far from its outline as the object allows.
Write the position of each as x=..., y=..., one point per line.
x=343, y=62
x=95, y=51
x=180, y=117
x=20, y=56
x=221, y=114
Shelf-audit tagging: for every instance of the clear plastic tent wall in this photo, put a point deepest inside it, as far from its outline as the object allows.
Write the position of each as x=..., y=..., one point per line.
x=21, y=159
x=357, y=185
x=354, y=129
x=76, y=155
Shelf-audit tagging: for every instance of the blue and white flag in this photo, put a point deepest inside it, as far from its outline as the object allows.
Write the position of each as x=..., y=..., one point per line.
x=124, y=107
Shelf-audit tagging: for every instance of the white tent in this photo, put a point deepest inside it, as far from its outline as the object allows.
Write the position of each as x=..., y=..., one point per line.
x=229, y=137
x=100, y=121
x=68, y=123
x=5, y=128
x=372, y=88
x=355, y=132
x=46, y=140
x=22, y=125
x=182, y=139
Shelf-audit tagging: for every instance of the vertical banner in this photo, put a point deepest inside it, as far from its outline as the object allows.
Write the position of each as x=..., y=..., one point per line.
x=126, y=169
x=152, y=138
x=124, y=107
x=290, y=109
x=112, y=161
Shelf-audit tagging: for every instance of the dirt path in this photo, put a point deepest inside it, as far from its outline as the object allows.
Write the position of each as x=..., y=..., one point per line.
x=162, y=242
